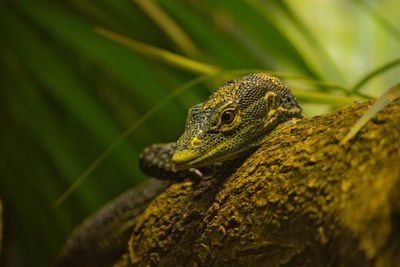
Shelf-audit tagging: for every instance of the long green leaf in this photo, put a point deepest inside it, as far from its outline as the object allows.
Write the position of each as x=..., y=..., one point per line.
x=169, y=26
x=157, y=53
x=391, y=94
x=378, y=71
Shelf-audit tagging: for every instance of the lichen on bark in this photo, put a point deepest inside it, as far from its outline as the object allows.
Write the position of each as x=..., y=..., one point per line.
x=301, y=199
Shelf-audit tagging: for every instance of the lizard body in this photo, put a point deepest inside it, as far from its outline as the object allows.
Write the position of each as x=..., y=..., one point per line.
x=219, y=131
x=101, y=238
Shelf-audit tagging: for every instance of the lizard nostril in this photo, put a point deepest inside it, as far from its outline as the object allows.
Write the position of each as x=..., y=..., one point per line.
x=195, y=142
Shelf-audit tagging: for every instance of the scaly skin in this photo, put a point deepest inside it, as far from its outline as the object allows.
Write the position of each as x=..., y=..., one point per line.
x=233, y=121
x=221, y=130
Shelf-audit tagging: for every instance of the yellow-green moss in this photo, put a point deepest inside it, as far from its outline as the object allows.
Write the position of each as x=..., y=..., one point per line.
x=300, y=200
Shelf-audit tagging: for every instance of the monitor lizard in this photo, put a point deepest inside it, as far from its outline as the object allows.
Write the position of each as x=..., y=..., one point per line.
x=226, y=127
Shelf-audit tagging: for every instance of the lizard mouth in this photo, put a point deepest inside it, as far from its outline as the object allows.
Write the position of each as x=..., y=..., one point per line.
x=184, y=157
x=188, y=159
x=185, y=160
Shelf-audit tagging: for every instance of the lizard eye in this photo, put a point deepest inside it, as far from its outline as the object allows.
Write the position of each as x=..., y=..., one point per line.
x=228, y=116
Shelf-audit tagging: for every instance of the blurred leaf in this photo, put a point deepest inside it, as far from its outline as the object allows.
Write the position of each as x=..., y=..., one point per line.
x=295, y=30
x=172, y=29
x=160, y=54
x=123, y=136
x=357, y=87
x=260, y=29
x=379, y=19
x=306, y=96
x=391, y=94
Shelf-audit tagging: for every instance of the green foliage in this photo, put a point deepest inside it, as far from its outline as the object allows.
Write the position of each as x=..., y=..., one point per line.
x=91, y=83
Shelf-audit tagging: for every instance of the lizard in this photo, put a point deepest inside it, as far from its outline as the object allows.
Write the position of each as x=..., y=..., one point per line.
x=235, y=119
x=228, y=126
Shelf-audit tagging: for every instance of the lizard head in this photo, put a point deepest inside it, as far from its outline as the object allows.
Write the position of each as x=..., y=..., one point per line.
x=233, y=120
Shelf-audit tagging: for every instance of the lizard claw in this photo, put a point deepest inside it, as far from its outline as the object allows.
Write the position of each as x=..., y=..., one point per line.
x=195, y=173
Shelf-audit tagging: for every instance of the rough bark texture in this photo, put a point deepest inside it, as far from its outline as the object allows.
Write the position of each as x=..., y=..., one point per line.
x=300, y=200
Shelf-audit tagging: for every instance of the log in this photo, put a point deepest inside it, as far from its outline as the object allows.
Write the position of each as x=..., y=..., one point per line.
x=301, y=199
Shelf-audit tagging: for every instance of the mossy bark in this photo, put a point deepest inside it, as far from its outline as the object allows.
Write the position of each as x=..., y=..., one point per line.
x=300, y=200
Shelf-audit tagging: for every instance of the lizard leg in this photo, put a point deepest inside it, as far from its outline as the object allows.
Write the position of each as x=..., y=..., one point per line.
x=156, y=161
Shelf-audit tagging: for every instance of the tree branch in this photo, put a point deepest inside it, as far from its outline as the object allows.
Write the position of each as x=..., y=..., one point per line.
x=300, y=200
